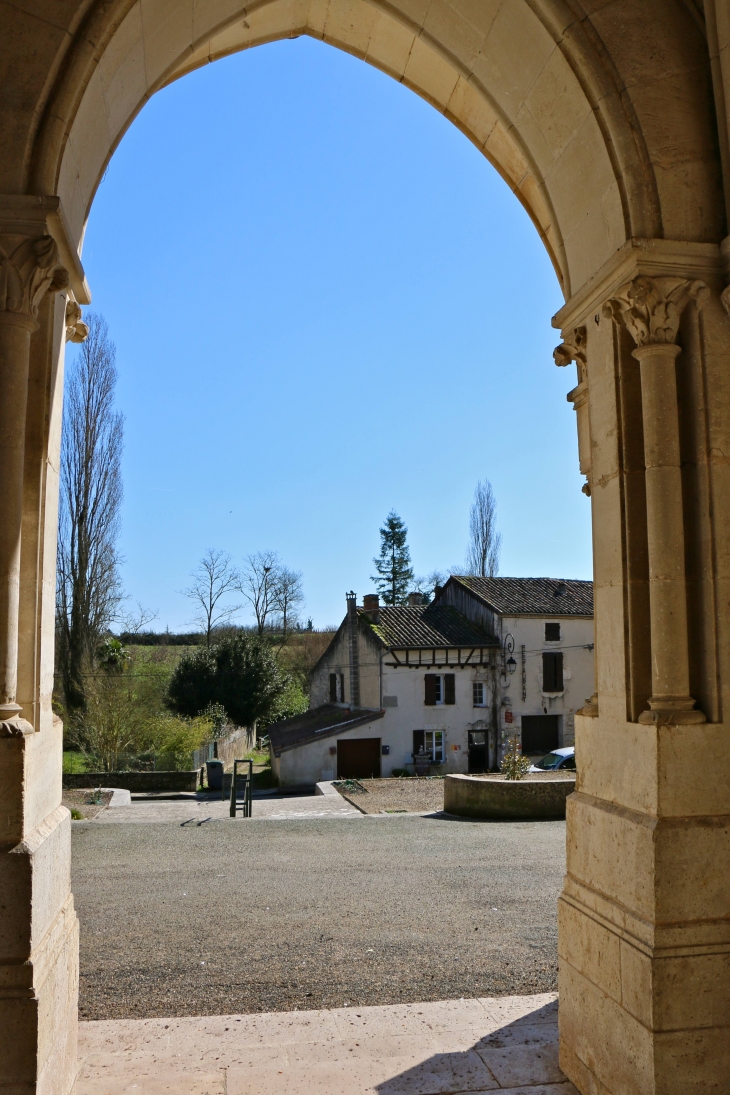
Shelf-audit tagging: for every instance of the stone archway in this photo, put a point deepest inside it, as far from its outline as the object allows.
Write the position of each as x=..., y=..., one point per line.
x=609, y=121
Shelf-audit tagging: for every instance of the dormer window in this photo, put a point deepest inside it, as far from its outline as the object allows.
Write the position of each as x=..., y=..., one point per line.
x=552, y=633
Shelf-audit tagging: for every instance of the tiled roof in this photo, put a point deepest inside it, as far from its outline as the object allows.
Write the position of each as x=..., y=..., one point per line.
x=533, y=596
x=318, y=722
x=423, y=626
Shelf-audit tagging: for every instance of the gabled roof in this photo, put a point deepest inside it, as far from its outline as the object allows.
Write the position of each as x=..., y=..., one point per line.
x=532, y=596
x=425, y=626
x=318, y=722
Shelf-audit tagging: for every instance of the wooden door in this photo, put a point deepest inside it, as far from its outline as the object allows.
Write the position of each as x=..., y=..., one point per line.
x=539, y=733
x=358, y=758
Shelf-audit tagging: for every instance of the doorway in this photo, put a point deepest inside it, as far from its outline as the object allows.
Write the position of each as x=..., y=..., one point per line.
x=540, y=733
x=358, y=758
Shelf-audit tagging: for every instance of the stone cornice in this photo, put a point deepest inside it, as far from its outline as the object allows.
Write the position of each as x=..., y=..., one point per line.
x=24, y=214
x=639, y=257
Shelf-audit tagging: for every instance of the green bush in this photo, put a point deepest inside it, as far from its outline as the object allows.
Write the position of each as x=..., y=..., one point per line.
x=240, y=673
x=125, y=719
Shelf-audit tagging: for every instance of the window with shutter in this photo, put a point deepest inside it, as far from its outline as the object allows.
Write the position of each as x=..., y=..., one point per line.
x=430, y=681
x=552, y=633
x=449, y=688
x=419, y=737
x=341, y=687
x=333, y=688
x=552, y=672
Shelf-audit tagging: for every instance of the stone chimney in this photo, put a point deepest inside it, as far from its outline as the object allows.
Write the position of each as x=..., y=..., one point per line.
x=415, y=600
x=371, y=605
x=352, y=639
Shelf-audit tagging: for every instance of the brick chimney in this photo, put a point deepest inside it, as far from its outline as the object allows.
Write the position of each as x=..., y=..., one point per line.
x=352, y=638
x=371, y=605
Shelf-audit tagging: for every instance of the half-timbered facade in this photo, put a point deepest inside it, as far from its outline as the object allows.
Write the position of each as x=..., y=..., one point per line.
x=489, y=659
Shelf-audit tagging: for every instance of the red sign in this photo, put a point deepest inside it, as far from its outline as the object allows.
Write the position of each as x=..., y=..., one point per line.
x=508, y=716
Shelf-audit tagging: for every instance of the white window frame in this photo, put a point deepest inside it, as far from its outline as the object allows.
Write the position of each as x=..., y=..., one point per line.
x=474, y=686
x=440, y=688
x=433, y=734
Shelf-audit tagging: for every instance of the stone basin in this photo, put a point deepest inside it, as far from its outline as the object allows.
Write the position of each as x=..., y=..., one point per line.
x=534, y=798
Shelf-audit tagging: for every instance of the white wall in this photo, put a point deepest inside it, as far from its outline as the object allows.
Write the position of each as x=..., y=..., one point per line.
x=576, y=635
x=413, y=714
x=312, y=762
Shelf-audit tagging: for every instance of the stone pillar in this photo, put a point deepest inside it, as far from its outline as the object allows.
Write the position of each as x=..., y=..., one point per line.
x=38, y=926
x=644, y=934
x=28, y=266
x=651, y=309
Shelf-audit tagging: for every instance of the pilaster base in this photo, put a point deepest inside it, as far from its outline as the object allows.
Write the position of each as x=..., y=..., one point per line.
x=644, y=945
x=38, y=963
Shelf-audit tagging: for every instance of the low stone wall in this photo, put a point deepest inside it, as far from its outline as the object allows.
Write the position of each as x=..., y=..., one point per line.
x=469, y=796
x=136, y=781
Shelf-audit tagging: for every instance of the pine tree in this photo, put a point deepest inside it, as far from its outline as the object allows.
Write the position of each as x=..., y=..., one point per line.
x=394, y=563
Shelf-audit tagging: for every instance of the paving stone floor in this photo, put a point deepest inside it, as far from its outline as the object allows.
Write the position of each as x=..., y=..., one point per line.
x=201, y=809
x=499, y=1044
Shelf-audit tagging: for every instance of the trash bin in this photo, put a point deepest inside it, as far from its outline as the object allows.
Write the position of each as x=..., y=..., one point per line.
x=214, y=770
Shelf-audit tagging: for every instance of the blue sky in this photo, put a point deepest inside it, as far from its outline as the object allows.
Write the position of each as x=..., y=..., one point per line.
x=326, y=304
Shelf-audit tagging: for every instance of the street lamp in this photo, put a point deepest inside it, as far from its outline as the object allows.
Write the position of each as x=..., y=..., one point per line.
x=508, y=662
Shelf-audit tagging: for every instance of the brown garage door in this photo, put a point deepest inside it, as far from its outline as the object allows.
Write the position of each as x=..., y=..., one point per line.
x=358, y=758
x=540, y=733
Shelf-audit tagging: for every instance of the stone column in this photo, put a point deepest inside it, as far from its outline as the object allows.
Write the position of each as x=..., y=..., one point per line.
x=29, y=267
x=651, y=309
x=644, y=936
x=38, y=926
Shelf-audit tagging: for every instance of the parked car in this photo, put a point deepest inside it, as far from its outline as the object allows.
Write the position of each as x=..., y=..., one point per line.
x=558, y=759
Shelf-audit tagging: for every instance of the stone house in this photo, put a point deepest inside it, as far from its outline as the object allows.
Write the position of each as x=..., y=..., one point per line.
x=545, y=631
x=402, y=680
x=455, y=679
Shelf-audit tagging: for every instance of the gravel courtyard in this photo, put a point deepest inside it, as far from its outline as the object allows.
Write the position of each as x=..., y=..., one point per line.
x=245, y=916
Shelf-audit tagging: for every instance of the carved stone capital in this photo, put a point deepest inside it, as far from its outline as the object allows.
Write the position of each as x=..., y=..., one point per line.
x=572, y=348
x=651, y=308
x=590, y=708
x=29, y=267
x=76, y=329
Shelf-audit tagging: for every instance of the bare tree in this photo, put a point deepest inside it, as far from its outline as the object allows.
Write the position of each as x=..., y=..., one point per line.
x=428, y=584
x=258, y=583
x=288, y=597
x=133, y=621
x=214, y=578
x=88, y=590
x=482, y=557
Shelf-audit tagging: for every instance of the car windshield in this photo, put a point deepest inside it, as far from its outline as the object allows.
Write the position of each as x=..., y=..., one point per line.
x=552, y=760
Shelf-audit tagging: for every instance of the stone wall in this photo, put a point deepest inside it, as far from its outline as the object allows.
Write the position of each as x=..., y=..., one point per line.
x=140, y=782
